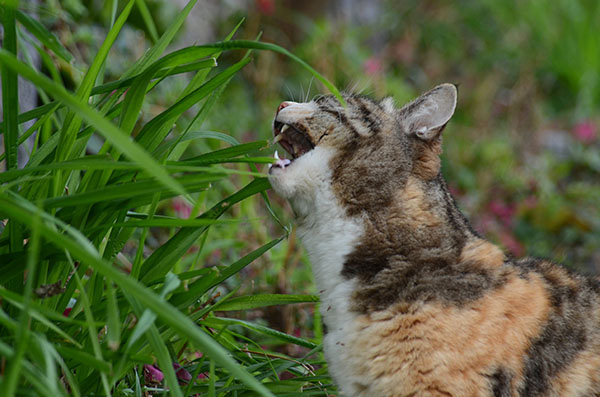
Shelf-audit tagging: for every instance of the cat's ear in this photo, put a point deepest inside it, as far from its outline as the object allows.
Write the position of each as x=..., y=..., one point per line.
x=427, y=115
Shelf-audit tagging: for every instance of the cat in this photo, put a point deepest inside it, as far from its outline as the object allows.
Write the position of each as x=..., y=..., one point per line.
x=413, y=300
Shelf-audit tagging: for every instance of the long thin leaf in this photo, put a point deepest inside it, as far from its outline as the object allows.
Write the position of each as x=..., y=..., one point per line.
x=255, y=301
x=105, y=127
x=10, y=110
x=218, y=322
x=162, y=260
x=199, y=287
x=166, y=312
x=44, y=36
x=246, y=44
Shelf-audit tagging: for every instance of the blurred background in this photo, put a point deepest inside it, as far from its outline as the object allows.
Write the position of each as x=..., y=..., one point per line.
x=522, y=154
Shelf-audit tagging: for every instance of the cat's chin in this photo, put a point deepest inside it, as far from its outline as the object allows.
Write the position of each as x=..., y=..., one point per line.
x=300, y=178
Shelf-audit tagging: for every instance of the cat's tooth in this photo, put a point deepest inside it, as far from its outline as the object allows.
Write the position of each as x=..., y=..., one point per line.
x=277, y=138
x=284, y=128
x=276, y=155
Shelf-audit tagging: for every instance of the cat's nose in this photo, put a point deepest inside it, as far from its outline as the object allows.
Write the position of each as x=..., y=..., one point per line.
x=284, y=105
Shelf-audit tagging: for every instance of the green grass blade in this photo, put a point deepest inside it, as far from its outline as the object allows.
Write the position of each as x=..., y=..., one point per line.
x=73, y=120
x=148, y=21
x=33, y=113
x=199, y=287
x=113, y=335
x=129, y=191
x=246, y=44
x=10, y=110
x=92, y=331
x=105, y=127
x=23, y=335
x=84, y=358
x=44, y=36
x=148, y=134
x=124, y=83
x=234, y=151
x=218, y=322
x=162, y=260
x=157, y=49
x=10, y=89
x=72, y=242
x=255, y=301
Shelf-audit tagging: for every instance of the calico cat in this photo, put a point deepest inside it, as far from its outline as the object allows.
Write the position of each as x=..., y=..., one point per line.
x=415, y=302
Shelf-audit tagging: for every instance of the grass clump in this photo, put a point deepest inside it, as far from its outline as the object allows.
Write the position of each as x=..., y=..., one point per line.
x=91, y=303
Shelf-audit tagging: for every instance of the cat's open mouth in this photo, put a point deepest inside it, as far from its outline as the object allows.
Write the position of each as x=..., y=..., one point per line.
x=294, y=141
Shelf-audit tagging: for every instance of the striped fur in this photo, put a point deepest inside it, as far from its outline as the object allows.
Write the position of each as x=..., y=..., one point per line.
x=417, y=303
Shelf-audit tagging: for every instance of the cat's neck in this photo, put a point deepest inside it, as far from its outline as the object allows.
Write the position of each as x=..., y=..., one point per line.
x=421, y=227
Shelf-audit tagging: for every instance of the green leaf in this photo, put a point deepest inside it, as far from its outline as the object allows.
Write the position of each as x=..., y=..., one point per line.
x=72, y=122
x=255, y=301
x=218, y=322
x=84, y=358
x=256, y=45
x=72, y=242
x=162, y=43
x=226, y=153
x=123, y=83
x=148, y=21
x=105, y=127
x=44, y=36
x=148, y=136
x=163, y=259
x=128, y=191
x=203, y=284
x=113, y=335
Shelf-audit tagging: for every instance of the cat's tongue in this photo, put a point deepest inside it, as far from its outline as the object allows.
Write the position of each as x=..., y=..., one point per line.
x=280, y=163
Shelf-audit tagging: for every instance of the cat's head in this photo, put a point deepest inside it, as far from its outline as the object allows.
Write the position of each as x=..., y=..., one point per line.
x=363, y=152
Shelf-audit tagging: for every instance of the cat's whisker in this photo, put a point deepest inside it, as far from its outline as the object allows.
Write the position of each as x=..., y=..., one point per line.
x=291, y=96
x=309, y=88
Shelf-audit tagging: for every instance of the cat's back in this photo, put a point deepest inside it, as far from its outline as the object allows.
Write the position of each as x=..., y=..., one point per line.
x=534, y=333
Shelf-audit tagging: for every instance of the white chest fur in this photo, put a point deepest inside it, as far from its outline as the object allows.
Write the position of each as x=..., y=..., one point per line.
x=328, y=239
x=329, y=235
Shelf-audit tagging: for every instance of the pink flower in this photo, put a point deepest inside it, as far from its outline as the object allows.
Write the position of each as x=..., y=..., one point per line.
x=152, y=374
x=503, y=211
x=181, y=207
x=373, y=66
x=182, y=374
x=585, y=132
x=67, y=311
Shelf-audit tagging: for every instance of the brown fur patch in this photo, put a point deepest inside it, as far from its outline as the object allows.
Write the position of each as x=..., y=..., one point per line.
x=434, y=349
x=427, y=163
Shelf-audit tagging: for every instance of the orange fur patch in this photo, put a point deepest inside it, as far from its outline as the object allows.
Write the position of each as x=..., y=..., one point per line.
x=411, y=207
x=437, y=350
x=428, y=164
x=480, y=251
